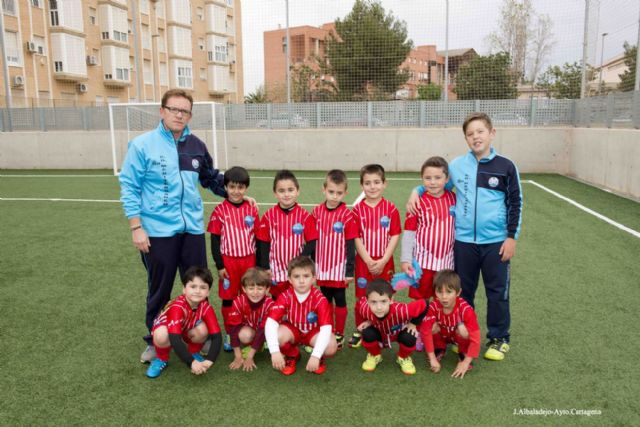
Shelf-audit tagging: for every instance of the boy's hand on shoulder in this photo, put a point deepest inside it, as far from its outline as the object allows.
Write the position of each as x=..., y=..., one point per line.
x=236, y=363
x=508, y=249
x=222, y=274
x=277, y=361
x=313, y=364
x=412, y=203
x=250, y=200
x=348, y=279
x=248, y=364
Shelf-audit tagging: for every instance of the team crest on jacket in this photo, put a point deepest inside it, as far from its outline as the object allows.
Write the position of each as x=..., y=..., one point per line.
x=226, y=284
x=195, y=163
x=312, y=317
x=338, y=227
x=362, y=282
x=248, y=221
x=385, y=221
x=297, y=228
x=493, y=182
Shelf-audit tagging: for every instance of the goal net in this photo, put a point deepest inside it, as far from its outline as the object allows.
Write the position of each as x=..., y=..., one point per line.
x=126, y=121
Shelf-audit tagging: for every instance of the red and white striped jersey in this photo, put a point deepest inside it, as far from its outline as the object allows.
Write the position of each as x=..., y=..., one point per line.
x=377, y=225
x=236, y=227
x=312, y=313
x=335, y=227
x=244, y=312
x=462, y=313
x=287, y=231
x=179, y=317
x=399, y=315
x=434, y=225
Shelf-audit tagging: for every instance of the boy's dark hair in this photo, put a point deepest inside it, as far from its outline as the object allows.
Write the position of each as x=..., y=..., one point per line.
x=176, y=93
x=283, y=175
x=476, y=116
x=380, y=286
x=196, y=271
x=435, y=162
x=256, y=276
x=447, y=279
x=238, y=175
x=371, y=169
x=301, y=261
x=336, y=176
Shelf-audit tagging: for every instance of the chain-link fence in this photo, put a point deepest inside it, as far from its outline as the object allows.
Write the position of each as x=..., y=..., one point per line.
x=615, y=110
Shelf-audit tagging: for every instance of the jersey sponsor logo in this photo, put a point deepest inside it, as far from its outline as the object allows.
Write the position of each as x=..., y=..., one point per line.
x=312, y=317
x=385, y=221
x=248, y=221
x=226, y=284
x=195, y=163
x=338, y=227
x=362, y=282
x=493, y=182
x=297, y=228
x=452, y=211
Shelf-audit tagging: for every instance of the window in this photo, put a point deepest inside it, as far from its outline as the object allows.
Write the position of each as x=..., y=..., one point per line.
x=12, y=47
x=200, y=13
x=161, y=45
x=92, y=15
x=9, y=7
x=148, y=73
x=144, y=7
x=146, y=37
x=35, y=3
x=183, y=73
x=105, y=35
x=40, y=45
x=230, y=3
x=53, y=6
x=120, y=36
x=122, y=74
x=160, y=9
x=164, y=74
x=58, y=66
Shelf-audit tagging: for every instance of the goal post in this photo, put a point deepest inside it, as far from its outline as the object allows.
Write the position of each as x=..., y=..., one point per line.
x=128, y=120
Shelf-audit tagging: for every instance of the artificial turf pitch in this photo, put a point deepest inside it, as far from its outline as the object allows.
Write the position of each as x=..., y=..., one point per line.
x=73, y=291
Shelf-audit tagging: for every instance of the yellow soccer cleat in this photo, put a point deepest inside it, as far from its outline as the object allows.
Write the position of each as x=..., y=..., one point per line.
x=497, y=349
x=406, y=365
x=371, y=363
x=454, y=348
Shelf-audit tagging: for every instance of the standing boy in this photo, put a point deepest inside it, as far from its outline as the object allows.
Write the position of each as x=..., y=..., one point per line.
x=300, y=316
x=233, y=244
x=379, y=231
x=429, y=233
x=488, y=219
x=386, y=321
x=286, y=231
x=335, y=250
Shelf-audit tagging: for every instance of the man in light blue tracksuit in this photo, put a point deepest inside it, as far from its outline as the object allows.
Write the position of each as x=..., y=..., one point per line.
x=159, y=192
x=488, y=216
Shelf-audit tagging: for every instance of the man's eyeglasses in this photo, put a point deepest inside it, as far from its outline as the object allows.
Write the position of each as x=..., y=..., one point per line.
x=176, y=111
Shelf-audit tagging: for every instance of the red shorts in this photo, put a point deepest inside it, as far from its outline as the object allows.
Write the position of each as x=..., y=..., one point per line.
x=235, y=267
x=426, y=286
x=332, y=283
x=363, y=276
x=440, y=341
x=279, y=287
x=300, y=338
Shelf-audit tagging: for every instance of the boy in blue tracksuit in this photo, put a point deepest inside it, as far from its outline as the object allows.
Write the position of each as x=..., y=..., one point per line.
x=488, y=216
x=159, y=192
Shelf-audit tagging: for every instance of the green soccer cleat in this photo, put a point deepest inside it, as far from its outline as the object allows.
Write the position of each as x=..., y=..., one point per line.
x=455, y=349
x=406, y=365
x=371, y=362
x=245, y=351
x=497, y=349
x=308, y=349
x=356, y=340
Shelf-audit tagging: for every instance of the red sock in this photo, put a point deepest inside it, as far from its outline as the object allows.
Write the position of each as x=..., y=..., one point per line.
x=225, y=318
x=162, y=353
x=372, y=347
x=194, y=347
x=357, y=316
x=341, y=319
x=289, y=350
x=405, y=351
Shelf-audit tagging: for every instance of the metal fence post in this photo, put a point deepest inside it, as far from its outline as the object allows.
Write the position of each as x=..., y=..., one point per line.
x=635, y=109
x=318, y=114
x=269, y=111
x=476, y=105
x=83, y=114
x=609, y=116
x=532, y=111
x=1, y=119
x=43, y=119
x=423, y=114
x=369, y=114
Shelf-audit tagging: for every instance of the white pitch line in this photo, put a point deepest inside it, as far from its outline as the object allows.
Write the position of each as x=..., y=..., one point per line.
x=587, y=210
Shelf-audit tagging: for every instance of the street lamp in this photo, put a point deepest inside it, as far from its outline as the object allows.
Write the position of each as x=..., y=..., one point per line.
x=601, y=63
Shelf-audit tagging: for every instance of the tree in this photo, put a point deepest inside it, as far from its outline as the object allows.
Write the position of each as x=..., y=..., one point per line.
x=430, y=92
x=257, y=97
x=365, y=54
x=542, y=42
x=487, y=77
x=309, y=83
x=564, y=82
x=628, y=78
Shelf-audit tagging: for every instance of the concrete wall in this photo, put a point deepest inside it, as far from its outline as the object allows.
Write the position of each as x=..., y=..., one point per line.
x=608, y=158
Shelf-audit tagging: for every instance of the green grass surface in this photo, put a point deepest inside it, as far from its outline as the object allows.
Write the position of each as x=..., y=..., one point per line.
x=73, y=291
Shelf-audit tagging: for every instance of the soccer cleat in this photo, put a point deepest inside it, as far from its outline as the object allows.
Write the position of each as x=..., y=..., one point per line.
x=148, y=354
x=340, y=341
x=155, y=369
x=321, y=368
x=455, y=349
x=497, y=349
x=356, y=340
x=440, y=352
x=406, y=365
x=308, y=349
x=198, y=357
x=226, y=344
x=245, y=351
x=371, y=362
x=289, y=366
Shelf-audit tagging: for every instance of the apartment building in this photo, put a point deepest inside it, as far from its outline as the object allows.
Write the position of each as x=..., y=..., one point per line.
x=91, y=52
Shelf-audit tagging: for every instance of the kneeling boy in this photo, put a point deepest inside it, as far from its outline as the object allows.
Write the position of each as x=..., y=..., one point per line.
x=247, y=318
x=450, y=320
x=186, y=324
x=385, y=321
x=308, y=321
